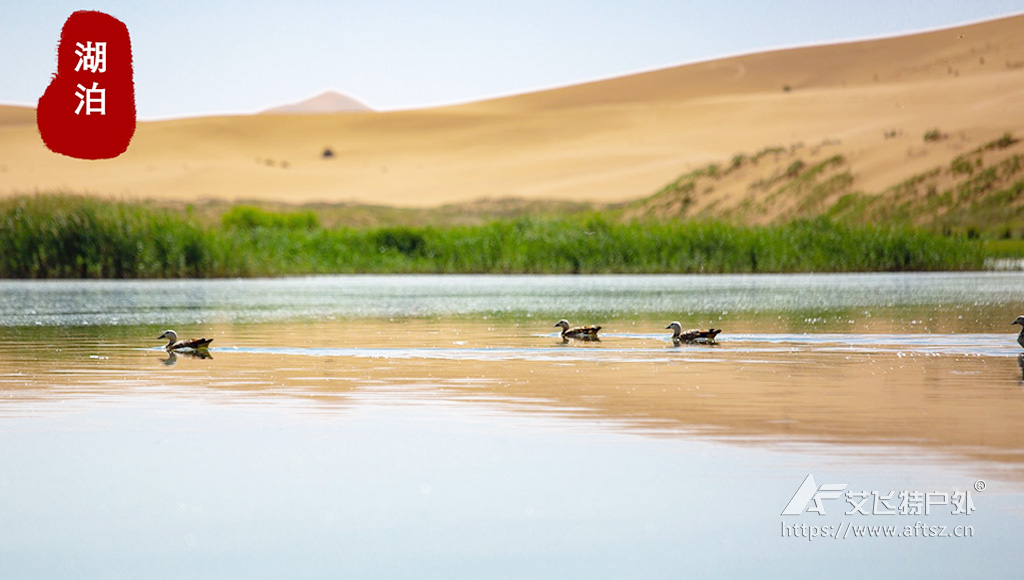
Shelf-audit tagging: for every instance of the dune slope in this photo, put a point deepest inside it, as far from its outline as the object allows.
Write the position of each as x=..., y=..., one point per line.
x=607, y=141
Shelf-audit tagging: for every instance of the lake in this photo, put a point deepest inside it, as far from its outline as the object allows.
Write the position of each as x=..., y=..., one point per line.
x=438, y=427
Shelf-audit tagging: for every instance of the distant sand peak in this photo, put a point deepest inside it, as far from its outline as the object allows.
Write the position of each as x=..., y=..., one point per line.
x=326, y=102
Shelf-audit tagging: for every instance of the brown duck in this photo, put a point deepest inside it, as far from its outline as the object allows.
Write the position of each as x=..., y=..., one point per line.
x=580, y=332
x=693, y=334
x=191, y=344
x=1020, y=337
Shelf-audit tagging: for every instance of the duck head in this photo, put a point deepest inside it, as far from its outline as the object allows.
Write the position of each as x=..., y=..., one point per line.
x=169, y=335
x=1020, y=321
x=675, y=327
x=563, y=323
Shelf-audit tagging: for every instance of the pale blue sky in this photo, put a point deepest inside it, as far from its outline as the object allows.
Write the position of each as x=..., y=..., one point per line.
x=197, y=57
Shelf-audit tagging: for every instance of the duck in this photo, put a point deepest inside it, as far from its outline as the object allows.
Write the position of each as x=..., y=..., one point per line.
x=191, y=344
x=1020, y=337
x=692, y=335
x=580, y=332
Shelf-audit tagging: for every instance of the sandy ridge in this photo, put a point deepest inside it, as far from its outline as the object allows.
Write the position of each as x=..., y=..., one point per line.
x=606, y=141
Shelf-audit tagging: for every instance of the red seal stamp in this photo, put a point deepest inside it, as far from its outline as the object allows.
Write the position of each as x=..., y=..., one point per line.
x=88, y=110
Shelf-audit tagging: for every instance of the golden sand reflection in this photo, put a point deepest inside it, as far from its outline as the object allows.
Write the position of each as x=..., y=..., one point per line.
x=856, y=392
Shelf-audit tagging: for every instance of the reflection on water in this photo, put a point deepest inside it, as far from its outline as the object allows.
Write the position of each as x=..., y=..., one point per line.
x=931, y=302
x=479, y=445
x=172, y=356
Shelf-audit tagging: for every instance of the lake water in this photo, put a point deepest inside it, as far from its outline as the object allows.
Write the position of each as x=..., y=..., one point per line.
x=437, y=427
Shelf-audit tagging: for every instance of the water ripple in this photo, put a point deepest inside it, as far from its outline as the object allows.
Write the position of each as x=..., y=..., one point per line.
x=135, y=302
x=990, y=345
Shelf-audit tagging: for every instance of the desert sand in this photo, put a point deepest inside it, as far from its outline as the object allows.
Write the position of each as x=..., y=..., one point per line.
x=606, y=141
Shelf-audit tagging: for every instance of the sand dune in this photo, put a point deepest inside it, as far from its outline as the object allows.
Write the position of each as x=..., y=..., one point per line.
x=13, y=116
x=605, y=141
x=326, y=102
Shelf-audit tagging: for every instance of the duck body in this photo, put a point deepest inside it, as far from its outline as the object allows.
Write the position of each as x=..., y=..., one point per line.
x=579, y=332
x=1020, y=337
x=700, y=335
x=174, y=344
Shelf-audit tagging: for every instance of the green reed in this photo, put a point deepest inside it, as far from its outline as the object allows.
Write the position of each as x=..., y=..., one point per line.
x=56, y=236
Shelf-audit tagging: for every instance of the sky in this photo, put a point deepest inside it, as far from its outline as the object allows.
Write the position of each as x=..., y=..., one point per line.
x=196, y=58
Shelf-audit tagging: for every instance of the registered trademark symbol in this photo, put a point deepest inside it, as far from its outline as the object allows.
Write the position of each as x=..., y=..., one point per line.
x=979, y=485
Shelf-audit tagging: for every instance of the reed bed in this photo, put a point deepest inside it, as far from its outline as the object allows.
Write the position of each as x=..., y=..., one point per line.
x=60, y=236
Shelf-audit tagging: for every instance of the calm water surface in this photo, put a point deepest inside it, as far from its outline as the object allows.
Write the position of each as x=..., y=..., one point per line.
x=437, y=427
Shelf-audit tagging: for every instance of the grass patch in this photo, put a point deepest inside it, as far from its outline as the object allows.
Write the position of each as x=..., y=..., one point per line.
x=56, y=236
x=1005, y=248
x=250, y=217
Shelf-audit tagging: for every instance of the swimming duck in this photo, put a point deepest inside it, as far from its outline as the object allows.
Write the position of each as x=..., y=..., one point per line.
x=692, y=335
x=191, y=344
x=580, y=332
x=1020, y=337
